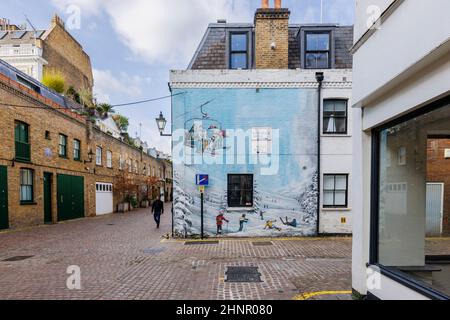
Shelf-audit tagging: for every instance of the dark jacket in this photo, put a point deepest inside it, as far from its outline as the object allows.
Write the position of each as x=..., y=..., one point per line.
x=158, y=206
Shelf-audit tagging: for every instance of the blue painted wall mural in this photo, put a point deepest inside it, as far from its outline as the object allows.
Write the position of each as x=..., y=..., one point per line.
x=269, y=135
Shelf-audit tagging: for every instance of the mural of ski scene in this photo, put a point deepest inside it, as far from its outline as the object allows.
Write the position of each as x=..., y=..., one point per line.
x=259, y=149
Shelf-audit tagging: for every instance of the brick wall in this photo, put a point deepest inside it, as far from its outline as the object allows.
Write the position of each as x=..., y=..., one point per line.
x=45, y=158
x=438, y=170
x=272, y=26
x=64, y=53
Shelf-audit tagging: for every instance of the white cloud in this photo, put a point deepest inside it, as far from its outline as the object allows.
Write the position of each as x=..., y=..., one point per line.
x=162, y=31
x=123, y=84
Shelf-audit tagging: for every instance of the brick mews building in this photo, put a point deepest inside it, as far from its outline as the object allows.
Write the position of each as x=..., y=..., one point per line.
x=56, y=165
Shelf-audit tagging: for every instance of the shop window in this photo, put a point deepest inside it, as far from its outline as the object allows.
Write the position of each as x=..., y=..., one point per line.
x=240, y=190
x=409, y=204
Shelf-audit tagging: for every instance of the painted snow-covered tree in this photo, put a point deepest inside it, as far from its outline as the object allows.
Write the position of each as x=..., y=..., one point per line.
x=309, y=201
x=182, y=214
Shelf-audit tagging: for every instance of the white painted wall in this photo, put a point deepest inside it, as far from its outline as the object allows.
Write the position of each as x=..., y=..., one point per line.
x=392, y=290
x=364, y=10
x=336, y=158
x=411, y=33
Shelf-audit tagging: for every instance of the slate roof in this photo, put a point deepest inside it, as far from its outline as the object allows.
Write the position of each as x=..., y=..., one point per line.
x=212, y=51
x=20, y=36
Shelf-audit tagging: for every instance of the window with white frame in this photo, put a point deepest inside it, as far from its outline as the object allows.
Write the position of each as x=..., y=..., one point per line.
x=121, y=162
x=130, y=165
x=402, y=156
x=98, y=156
x=262, y=140
x=109, y=159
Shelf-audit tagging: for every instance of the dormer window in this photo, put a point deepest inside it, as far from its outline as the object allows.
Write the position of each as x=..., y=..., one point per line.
x=317, y=50
x=239, y=50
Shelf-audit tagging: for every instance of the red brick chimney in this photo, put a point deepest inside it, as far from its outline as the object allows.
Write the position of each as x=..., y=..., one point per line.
x=272, y=36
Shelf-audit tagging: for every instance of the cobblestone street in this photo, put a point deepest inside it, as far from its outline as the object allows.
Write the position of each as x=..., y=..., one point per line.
x=125, y=257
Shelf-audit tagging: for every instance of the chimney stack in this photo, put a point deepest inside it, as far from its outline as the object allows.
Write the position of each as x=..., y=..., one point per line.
x=272, y=36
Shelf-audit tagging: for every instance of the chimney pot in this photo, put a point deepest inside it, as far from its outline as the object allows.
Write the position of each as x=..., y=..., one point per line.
x=265, y=4
x=277, y=4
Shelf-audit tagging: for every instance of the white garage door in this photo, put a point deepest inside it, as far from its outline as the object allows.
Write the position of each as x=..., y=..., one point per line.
x=103, y=198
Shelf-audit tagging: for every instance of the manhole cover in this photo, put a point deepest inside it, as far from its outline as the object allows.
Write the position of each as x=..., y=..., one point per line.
x=18, y=258
x=192, y=243
x=243, y=274
x=262, y=243
x=153, y=250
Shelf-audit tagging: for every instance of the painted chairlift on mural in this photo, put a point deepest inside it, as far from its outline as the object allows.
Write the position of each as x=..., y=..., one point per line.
x=211, y=139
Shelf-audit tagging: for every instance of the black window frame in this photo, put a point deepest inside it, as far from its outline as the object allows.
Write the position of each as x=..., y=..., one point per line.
x=30, y=201
x=65, y=146
x=346, y=118
x=246, y=52
x=335, y=175
x=22, y=146
x=77, y=157
x=231, y=205
x=306, y=51
x=392, y=272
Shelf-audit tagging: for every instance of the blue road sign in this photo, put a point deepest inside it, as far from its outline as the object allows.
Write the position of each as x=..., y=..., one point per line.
x=202, y=180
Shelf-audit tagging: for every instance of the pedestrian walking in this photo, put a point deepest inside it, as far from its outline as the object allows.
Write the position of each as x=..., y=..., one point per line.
x=158, y=210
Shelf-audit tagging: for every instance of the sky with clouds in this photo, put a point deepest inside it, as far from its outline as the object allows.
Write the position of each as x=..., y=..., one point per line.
x=133, y=44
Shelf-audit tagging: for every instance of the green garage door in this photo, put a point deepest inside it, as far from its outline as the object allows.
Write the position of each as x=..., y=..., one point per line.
x=70, y=197
x=4, y=220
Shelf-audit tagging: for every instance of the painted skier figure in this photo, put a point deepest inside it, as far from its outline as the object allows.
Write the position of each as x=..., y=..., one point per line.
x=219, y=221
x=288, y=223
x=270, y=224
x=242, y=221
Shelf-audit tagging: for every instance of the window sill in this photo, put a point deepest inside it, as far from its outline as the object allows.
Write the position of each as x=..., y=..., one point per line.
x=63, y=157
x=234, y=209
x=28, y=203
x=23, y=161
x=335, y=135
x=336, y=209
x=409, y=282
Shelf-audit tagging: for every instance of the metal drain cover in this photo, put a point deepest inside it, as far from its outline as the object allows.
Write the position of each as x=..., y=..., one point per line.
x=18, y=258
x=262, y=243
x=243, y=275
x=193, y=243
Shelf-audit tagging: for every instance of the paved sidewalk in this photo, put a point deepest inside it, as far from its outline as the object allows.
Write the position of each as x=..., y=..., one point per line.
x=123, y=256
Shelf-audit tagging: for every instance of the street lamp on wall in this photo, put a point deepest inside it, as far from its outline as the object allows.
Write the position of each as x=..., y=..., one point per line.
x=161, y=122
x=90, y=157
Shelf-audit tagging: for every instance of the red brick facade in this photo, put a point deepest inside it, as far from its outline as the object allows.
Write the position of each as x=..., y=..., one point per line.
x=438, y=170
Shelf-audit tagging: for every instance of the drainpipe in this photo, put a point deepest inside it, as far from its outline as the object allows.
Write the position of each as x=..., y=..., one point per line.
x=319, y=78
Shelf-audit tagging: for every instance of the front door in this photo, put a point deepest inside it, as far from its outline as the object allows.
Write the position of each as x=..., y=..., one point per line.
x=48, y=197
x=4, y=219
x=435, y=208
